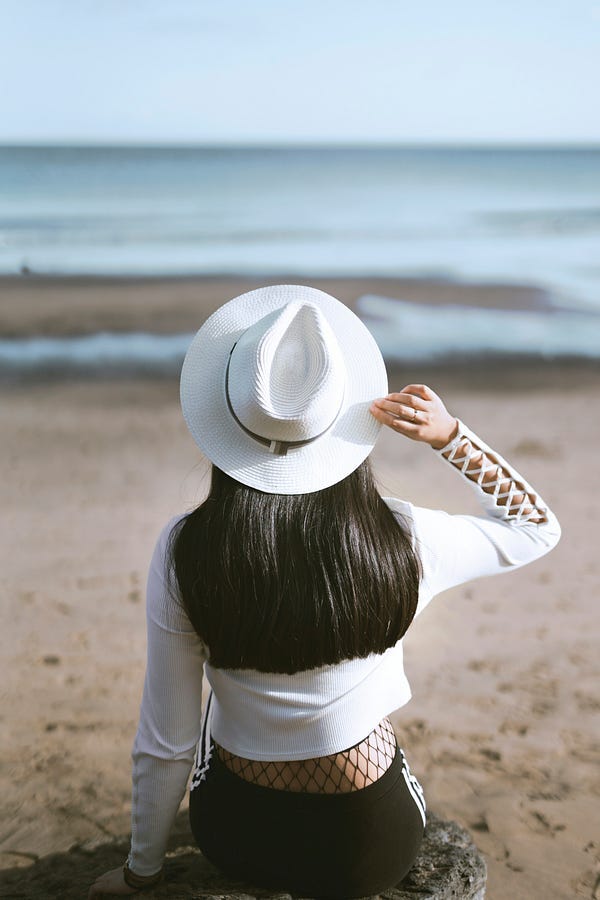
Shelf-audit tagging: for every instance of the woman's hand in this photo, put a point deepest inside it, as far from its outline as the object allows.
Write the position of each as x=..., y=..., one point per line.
x=110, y=884
x=418, y=413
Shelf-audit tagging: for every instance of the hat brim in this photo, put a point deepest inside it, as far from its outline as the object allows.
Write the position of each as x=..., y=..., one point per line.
x=316, y=465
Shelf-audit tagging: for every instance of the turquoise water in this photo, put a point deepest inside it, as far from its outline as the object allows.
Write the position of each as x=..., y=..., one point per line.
x=510, y=215
x=527, y=215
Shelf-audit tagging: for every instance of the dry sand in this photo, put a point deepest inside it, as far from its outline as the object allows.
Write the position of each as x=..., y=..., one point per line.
x=504, y=726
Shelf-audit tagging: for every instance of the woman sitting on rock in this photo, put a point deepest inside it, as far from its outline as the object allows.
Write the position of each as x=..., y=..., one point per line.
x=290, y=589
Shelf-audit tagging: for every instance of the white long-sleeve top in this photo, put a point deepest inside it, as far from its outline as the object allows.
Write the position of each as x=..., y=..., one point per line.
x=274, y=716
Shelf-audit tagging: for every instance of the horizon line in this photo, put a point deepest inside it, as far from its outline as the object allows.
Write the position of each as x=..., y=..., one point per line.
x=305, y=144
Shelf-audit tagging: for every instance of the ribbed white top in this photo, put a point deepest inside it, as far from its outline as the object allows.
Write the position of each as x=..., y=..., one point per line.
x=273, y=716
x=267, y=716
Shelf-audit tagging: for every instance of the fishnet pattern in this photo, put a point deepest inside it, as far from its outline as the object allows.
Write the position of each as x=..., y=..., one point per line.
x=340, y=773
x=494, y=478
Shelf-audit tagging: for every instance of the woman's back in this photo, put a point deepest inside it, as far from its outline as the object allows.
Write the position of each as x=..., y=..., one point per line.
x=286, y=583
x=273, y=715
x=294, y=607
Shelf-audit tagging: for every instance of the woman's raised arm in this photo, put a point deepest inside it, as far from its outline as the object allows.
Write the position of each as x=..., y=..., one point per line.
x=517, y=526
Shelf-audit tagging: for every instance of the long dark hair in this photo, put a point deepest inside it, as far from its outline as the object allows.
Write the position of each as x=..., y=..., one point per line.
x=284, y=583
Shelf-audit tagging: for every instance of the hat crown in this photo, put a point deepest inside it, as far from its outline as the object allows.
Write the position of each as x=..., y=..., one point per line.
x=286, y=375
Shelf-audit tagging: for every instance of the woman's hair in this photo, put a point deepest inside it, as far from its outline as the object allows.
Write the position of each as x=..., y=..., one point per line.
x=284, y=583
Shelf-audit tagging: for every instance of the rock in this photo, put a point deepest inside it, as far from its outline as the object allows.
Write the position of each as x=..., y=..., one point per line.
x=449, y=867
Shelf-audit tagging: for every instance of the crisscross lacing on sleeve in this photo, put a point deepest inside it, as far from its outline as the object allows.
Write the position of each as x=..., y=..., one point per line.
x=513, y=497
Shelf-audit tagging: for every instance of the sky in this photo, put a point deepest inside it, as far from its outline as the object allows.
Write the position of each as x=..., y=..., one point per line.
x=310, y=71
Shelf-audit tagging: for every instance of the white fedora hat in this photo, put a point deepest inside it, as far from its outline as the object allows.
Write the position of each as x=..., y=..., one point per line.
x=276, y=388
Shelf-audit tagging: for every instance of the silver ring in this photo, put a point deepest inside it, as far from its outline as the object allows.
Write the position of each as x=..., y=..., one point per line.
x=414, y=415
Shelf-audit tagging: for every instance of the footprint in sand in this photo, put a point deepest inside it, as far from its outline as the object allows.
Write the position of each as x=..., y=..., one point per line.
x=539, y=823
x=587, y=702
x=534, y=448
x=484, y=665
x=559, y=792
x=510, y=726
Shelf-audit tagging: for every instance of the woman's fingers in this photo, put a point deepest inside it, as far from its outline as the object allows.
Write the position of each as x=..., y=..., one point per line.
x=406, y=398
x=416, y=412
x=388, y=415
x=421, y=390
x=402, y=401
x=400, y=408
x=392, y=417
x=408, y=429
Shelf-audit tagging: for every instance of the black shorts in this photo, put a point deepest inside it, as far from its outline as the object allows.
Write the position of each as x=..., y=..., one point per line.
x=318, y=845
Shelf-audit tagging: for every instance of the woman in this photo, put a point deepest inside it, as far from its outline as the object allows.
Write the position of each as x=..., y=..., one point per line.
x=290, y=588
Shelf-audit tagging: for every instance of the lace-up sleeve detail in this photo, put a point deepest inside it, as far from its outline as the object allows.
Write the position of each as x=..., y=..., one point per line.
x=517, y=526
x=513, y=498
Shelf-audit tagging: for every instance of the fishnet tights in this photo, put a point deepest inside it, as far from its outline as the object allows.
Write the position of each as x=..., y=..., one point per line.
x=480, y=466
x=340, y=773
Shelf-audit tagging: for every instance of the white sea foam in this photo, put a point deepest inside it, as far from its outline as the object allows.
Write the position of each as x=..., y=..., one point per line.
x=414, y=332
x=102, y=353
x=405, y=332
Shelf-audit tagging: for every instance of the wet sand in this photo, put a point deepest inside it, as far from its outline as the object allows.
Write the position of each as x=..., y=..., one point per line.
x=65, y=306
x=504, y=726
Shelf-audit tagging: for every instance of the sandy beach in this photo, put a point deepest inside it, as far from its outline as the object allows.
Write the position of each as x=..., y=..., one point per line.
x=503, y=729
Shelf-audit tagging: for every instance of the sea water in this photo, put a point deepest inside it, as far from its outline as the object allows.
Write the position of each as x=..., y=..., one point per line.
x=528, y=216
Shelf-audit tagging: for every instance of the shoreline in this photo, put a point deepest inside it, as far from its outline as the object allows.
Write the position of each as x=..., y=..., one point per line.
x=71, y=308
x=479, y=376
x=53, y=306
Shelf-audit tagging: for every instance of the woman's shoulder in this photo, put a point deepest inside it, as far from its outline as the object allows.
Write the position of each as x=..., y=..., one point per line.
x=418, y=518
x=403, y=510
x=163, y=602
x=161, y=555
x=405, y=514
x=427, y=527
x=404, y=507
x=165, y=532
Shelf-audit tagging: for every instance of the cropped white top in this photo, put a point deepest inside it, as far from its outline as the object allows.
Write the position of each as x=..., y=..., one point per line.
x=267, y=716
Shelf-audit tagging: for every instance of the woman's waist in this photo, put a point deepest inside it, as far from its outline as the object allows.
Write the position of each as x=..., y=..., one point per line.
x=351, y=769
x=264, y=716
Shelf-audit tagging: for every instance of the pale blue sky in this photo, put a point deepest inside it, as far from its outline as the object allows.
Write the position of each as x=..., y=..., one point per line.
x=259, y=71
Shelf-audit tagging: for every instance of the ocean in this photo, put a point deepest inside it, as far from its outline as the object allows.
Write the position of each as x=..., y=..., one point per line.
x=526, y=216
